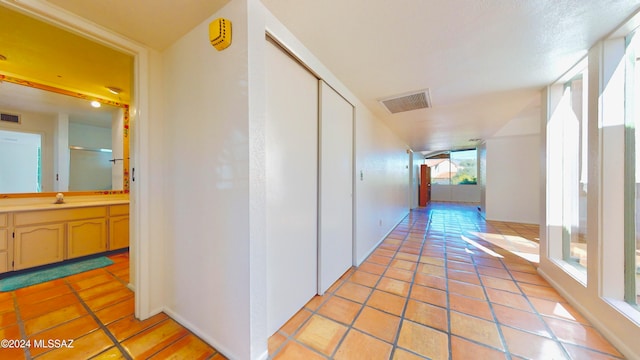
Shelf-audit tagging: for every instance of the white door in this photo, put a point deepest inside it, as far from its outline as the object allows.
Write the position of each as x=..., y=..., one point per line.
x=335, y=235
x=291, y=186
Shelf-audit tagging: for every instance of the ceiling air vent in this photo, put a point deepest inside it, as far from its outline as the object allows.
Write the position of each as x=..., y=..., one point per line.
x=407, y=102
x=12, y=118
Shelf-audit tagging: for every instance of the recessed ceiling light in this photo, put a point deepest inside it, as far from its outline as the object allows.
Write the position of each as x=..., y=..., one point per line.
x=114, y=90
x=3, y=58
x=95, y=104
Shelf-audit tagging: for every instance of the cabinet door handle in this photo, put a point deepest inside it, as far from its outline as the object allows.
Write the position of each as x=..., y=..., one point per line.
x=133, y=174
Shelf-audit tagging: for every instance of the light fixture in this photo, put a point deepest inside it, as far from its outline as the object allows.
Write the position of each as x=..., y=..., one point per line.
x=3, y=58
x=95, y=104
x=114, y=90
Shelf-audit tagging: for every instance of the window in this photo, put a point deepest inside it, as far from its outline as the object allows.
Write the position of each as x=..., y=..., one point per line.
x=454, y=168
x=576, y=166
x=632, y=182
x=567, y=135
x=466, y=167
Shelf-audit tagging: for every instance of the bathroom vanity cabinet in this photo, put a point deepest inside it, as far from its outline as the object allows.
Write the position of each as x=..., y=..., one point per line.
x=118, y=227
x=4, y=242
x=40, y=236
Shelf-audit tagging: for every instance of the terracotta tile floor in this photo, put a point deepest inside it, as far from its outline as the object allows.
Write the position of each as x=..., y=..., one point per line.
x=436, y=288
x=439, y=288
x=95, y=309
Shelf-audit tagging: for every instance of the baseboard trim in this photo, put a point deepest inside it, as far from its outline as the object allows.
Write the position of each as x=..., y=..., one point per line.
x=601, y=327
x=198, y=332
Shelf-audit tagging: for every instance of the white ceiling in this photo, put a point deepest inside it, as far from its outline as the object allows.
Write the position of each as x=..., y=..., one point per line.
x=17, y=99
x=484, y=61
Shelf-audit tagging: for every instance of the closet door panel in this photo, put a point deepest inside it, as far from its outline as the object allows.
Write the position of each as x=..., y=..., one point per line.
x=291, y=186
x=336, y=187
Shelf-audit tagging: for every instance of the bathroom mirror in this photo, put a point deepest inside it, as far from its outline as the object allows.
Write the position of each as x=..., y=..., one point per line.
x=52, y=140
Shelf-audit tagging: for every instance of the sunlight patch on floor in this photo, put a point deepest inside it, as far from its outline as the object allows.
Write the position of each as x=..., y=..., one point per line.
x=517, y=245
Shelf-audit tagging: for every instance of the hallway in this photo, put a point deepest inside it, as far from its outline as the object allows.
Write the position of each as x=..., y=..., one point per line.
x=434, y=288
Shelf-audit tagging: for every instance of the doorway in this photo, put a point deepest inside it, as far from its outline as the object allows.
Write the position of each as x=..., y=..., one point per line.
x=425, y=185
x=22, y=153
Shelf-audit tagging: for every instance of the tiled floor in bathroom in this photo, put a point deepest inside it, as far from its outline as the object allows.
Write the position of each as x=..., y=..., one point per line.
x=434, y=289
x=95, y=309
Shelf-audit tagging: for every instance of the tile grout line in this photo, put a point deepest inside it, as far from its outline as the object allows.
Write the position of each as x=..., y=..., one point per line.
x=445, y=264
x=490, y=304
x=526, y=297
x=110, y=345
x=541, y=317
x=113, y=338
x=449, y=310
x=505, y=350
x=411, y=284
x=372, y=289
x=448, y=240
x=445, y=277
x=100, y=324
x=20, y=323
x=334, y=293
x=535, y=312
x=291, y=337
x=538, y=315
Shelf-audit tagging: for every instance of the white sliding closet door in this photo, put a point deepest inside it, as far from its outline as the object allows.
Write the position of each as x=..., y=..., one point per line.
x=291, y=186
x=335, y=234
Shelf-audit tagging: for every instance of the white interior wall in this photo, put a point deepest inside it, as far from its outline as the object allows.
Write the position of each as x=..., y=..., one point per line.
x=89, y=136
x=61, y=150
x=455, y=193
x=415, y=160
x=512, y=188
x=381, y=182
x=117, y=149
x=206, y=120
x=513, y=179
x=191, y=213
x=482, y=177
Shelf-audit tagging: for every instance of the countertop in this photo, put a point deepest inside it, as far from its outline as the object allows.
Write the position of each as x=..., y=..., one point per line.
x=32, y=204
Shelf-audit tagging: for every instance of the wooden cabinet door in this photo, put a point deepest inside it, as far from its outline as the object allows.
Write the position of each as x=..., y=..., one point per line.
x=118, y=232
x=86, y=237
x=38, y=245
x=4, y=247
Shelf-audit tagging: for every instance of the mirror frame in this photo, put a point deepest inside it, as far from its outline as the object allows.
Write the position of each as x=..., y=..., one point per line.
x=125, y=138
